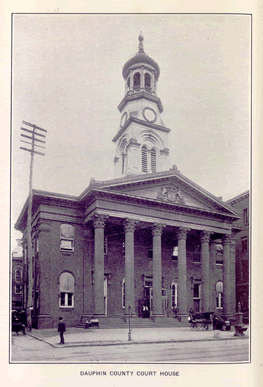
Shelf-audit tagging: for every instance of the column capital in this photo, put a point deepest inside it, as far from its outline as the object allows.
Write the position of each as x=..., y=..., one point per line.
x=226, y=239
x=157, y=229
x=182, y=233
x=205, y=236
x=129, y=224
x=99, y=220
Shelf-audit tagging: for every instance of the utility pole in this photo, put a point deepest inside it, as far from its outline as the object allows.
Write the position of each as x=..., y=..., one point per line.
x=32, y=138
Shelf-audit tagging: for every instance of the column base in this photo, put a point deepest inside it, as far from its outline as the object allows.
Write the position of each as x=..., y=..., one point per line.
x=99, y=315
x=239, y=330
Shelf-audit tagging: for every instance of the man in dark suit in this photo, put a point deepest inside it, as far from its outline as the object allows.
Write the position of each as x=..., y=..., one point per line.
x=61, y=329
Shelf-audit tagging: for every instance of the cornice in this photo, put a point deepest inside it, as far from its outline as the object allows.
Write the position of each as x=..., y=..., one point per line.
x=239, y=198
x=166, y=205
x=140, y=122
x=140, y=95
x=164, y=176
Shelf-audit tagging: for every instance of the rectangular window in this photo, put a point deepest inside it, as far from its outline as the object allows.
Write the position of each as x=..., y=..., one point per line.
x=219, y=254
x=62, y=299
x=196, y=291
x=150, y=253
x=219, y=301
x=66, y=300
x=175, y=253
x=66, y=245
x=245, y=215
x=197, y=296
x=18, y=289
x=18, y=275
x=70, y=299
x=148, y=282
x=67, y=233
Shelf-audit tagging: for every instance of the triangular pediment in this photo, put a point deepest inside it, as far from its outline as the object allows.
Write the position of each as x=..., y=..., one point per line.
x=168, y=187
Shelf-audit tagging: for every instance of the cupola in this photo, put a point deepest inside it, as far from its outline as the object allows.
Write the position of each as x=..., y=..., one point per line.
x=142, y=138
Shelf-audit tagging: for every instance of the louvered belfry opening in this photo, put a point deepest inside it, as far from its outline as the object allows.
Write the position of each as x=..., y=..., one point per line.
x=123, y=164
x=137, y=81
x=144, y=158
x=153, y=160
x=147, y=82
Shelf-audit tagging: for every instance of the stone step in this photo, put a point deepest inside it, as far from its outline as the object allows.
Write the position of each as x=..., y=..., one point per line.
x=118, y=323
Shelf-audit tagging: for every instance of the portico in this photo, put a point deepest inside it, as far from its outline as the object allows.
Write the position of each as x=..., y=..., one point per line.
x=134, y=219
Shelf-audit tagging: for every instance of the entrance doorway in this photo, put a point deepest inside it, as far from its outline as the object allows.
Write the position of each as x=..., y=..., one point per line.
x=148, y=291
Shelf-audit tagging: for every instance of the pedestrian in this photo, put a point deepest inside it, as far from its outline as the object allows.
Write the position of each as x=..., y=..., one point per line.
x=61, y=330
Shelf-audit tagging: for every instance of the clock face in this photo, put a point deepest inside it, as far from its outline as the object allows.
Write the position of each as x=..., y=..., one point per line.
x=149, y=114
x=124, y=118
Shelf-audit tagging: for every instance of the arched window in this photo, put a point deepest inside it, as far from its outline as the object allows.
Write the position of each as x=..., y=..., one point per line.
x=219, y=295
x=144, y=159
x=147, y=80
x=66, y=290
x=123, y=293
x=137, y=80
x=174, y=294
x=153, y=160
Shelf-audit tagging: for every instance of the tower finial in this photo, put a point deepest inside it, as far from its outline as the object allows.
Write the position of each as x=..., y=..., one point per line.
x=141, y=38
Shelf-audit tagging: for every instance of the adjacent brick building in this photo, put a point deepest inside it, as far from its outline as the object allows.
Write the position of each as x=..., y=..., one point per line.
x=241, y=205
x=17, y=277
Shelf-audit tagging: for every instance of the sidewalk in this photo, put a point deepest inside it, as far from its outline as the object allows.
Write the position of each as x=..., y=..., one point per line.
x=79, y=337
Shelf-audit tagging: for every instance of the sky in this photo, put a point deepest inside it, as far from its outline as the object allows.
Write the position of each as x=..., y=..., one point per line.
x=67, y=79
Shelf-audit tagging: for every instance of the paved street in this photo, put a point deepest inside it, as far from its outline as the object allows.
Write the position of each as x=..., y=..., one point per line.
x=28, y=349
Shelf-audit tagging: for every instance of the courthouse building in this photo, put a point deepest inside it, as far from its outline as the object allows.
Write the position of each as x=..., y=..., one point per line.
x=150, y=236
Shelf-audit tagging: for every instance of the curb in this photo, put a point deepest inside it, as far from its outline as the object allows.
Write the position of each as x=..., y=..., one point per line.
x=104, y=343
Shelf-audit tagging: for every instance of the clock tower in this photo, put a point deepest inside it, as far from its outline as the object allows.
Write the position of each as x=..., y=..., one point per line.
x=142, y=139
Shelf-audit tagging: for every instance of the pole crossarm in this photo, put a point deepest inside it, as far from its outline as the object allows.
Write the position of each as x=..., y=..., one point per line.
x=33, y=126
x=32, y=132
x=33, y=151
x=33, y=138
x=39, y=146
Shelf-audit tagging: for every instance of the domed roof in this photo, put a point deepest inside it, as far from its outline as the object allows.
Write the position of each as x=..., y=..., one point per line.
x=140, y=57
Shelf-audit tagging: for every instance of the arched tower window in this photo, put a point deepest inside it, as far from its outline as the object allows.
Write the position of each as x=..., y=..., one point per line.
x=144, y=159
x=137, y=81
x=147, y=80
x=153, y=160
x=66, y=290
